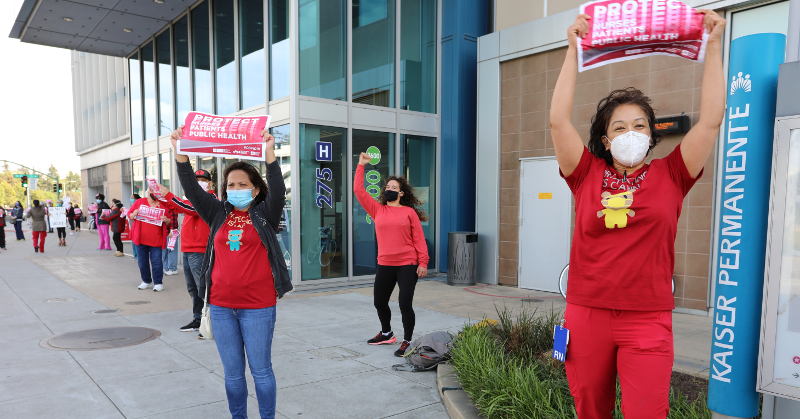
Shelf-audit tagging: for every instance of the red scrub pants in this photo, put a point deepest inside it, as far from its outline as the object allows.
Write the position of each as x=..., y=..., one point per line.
x=636, y=345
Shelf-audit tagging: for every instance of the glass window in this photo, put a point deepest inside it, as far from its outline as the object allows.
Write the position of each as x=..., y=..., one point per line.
x=224, y=56
x=380, y=145
x=137, y=171
x=134, y=71
x=373, y=52
x=183, y=86
x=166, y=116
x=279, y=53
x=283, y=153
x=420, y=171
x=323, y=205
x=151, y=167
x=251, y=47
x=210, y=164
x=149, y=72
x=418, y=55
x=323, y=53
x=166, y=169
x=200, y=59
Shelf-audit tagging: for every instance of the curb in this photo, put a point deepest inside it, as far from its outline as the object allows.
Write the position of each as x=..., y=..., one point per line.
x=456, y=401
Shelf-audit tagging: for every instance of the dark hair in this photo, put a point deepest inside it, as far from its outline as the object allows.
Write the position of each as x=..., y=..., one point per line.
x=252, y=173
x=602, y=117
x=408, y=199
x=118, y=204
x=35, y=202
x=100, y=197
x=136, y=196
x=115, y=200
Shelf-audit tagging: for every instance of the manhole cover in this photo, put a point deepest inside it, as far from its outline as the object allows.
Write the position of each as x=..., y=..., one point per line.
x=108, y=338
x=106, y=311
x=136, y=303
x=59, y=300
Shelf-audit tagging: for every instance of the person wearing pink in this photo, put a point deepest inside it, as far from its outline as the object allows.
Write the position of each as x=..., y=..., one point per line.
x=402, y=251
x=102, y=225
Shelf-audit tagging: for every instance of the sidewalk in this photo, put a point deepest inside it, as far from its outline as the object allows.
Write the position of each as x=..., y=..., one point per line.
x=322, y=365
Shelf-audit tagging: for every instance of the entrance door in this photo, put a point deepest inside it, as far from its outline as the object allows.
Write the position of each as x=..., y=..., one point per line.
x=544, y=225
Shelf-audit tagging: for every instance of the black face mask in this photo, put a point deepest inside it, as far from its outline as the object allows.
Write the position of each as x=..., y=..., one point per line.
x=390, y=196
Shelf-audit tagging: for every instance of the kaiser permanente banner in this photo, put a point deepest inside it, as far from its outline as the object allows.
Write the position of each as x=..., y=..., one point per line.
x=744, y=209
x=626, y=29
x=223, y=136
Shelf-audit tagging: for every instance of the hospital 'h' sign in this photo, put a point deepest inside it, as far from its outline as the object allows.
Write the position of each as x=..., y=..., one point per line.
x=742, y=224
x=324, y=151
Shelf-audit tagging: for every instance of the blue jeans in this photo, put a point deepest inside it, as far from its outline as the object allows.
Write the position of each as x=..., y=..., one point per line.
x=18, y=229
x=171, y=258
x=240, y=331
x=195, y=284
x=150, y=257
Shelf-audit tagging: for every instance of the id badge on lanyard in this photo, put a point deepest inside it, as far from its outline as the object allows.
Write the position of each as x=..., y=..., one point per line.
x=560, y=342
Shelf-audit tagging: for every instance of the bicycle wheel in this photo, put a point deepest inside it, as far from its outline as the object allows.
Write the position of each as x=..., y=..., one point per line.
x=562, y=281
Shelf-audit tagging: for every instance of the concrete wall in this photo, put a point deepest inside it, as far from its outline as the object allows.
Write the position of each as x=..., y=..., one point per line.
x=510, y=13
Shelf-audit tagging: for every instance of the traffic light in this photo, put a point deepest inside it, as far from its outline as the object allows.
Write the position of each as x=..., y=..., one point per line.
x=25, y=182
x=60, y=187
x=55, y=188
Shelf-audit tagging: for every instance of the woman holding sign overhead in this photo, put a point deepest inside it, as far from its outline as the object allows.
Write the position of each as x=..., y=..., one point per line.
x=244, y=270
x=619, y=301
x=149, y=234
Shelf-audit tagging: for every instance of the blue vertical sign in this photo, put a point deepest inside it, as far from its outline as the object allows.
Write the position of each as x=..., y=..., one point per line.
x=744, y=205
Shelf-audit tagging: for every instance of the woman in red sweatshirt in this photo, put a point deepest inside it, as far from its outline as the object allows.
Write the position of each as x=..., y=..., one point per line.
x=402, y=251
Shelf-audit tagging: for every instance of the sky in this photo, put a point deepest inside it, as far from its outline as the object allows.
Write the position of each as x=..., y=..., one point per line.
x=35, y=101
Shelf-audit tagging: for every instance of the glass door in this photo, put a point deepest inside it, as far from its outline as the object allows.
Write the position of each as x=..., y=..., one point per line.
x=419, y=167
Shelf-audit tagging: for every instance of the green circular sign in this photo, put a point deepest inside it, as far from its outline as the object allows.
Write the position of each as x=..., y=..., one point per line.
x=375, y=153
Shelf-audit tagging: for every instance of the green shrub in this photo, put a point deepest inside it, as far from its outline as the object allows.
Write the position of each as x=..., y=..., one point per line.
x=507, y=371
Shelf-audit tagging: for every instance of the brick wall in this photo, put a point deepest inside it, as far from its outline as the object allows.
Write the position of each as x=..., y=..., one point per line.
x=673, y=84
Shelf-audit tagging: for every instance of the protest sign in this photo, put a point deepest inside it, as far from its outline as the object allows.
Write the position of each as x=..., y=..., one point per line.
x=150, y=215
x=58, y=216
x=126, y=235
x=92, y=208
x=621, y=30
x=172, y=239
x=223, y=136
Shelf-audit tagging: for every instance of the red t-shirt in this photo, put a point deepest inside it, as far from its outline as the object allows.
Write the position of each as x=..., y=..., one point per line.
x=242, y=276
x=146, y=234
x=401, y=240
x=623, y=246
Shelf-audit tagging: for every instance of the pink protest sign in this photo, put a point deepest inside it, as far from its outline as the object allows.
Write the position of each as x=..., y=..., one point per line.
x=92, y=208
x=223, y=136
x=173, y=238
x=622, y=30
x=150, y=215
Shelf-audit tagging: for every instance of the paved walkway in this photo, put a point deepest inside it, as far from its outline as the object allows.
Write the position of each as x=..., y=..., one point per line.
x=322, y=365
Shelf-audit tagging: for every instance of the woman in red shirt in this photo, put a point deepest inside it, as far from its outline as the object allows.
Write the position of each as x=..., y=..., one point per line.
x=245, y=270
x=626, y=214
x=402, y=251
x=149, y=237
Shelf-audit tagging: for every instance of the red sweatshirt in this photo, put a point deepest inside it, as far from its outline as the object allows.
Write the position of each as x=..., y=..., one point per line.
x=147, y=234
x=401, y=240
x=194, y=231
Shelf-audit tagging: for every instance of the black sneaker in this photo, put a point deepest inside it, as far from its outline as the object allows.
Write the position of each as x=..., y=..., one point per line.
x=191, y=327
x=380, y=339
x=402, y=350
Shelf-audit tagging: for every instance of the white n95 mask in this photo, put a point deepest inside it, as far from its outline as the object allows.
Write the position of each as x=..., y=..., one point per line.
x=630, y=148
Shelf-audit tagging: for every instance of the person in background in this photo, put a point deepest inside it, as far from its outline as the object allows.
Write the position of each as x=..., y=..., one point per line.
x=171, y=255
x=71, y=218
x=48, y=204
x=92, y=218
x=18, y=213
x=133, y=199
x=193, y=245
x=102, y=225
x=38, y=214
x=150, y=240
x=78, y=213
x=117, y=223
x=62, y=231
x=2, y=228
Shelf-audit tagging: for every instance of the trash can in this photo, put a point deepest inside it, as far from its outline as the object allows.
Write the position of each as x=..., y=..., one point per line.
x=461, y=252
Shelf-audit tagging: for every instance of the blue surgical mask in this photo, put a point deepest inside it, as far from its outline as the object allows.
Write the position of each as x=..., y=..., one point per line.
x=98, y=200
x=133, y=200
x=240, y=198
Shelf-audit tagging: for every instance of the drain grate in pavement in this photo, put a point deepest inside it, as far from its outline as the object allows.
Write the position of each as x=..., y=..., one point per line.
x=136, y=303
x=108, y=338
x=106, y=311
x=59, y=300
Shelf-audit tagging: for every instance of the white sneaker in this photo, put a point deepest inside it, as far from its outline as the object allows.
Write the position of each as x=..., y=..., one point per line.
x=170, y=272
x=144, y=286
x=158, y=287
